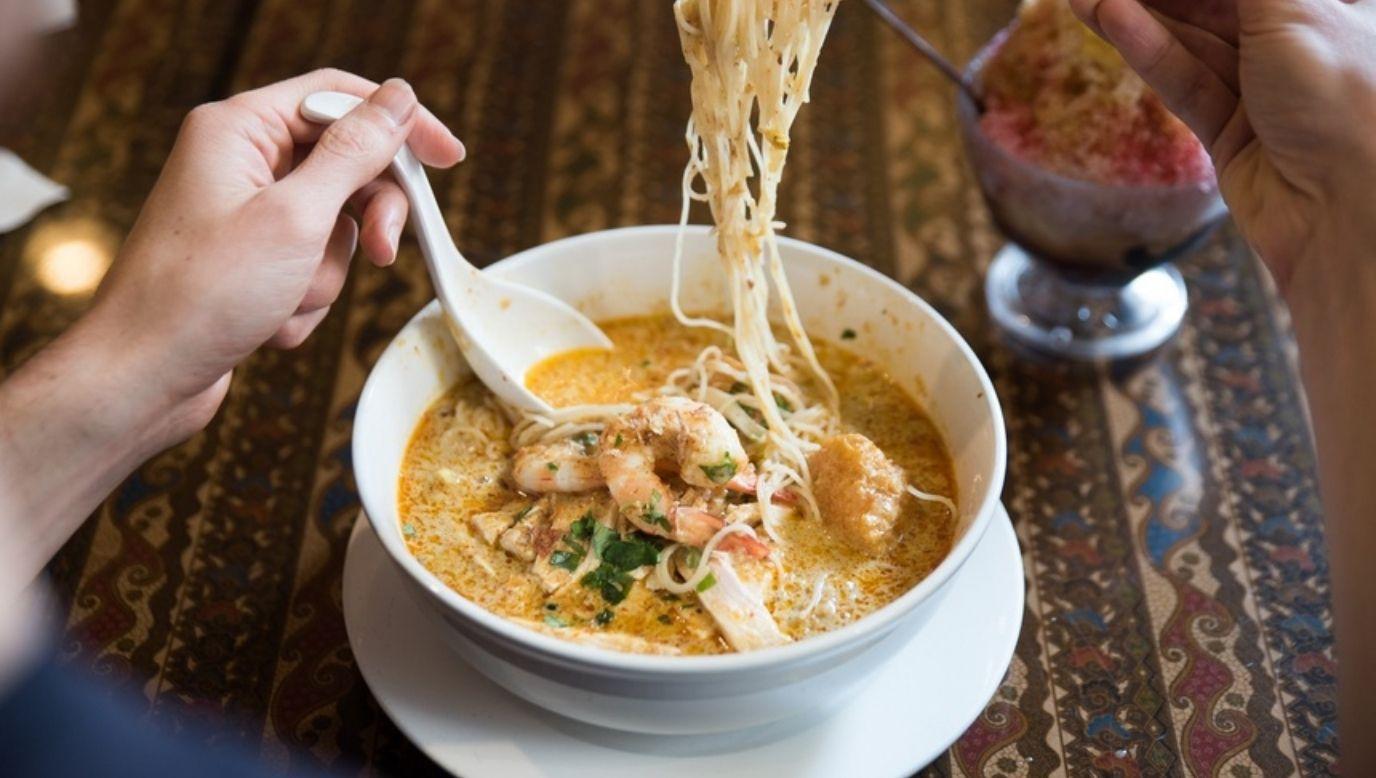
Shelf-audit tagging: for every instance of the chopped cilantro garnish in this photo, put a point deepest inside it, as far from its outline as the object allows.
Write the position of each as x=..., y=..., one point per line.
x=614, y=584
x=583, y=528
x=707, y=583
x=555, y=621
x=848, y=334
x=601, y=536
x=664, y=619
x=522, y=513
x=604, y=618
x=568, y=560
x=722, y=471
x=653, y=515
x=784, y=405
x=588, y=440
x=552, y=467
x=619, y=555
x=575, y=541
x=630, y=553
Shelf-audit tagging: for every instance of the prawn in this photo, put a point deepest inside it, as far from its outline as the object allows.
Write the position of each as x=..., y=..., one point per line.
x=571, y=465
x=567, y=465
x=696, y=439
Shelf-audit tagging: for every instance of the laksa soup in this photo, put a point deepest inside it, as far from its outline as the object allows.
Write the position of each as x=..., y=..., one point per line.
x=665, y=507
x=706, y=486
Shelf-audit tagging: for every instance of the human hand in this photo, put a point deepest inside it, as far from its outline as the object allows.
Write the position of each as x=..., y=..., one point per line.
x=245, y=239
x=1282, y=93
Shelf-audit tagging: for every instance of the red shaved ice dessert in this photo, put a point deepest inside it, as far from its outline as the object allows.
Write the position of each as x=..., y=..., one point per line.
x=1061, y=98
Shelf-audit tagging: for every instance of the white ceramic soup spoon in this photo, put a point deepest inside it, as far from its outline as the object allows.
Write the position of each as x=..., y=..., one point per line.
x=502, y=328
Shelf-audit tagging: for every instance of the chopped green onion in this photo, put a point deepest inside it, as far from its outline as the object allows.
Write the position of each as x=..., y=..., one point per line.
x=848, y=334
x=604, y=618
x=554, y=621
x=664, y=619
x=706, y=583
x=552, y=467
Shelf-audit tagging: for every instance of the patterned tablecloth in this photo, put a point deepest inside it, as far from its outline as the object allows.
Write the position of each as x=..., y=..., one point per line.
x=1177, y=616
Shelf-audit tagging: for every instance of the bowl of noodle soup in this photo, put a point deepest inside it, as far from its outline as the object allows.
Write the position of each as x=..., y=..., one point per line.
x=622, y=273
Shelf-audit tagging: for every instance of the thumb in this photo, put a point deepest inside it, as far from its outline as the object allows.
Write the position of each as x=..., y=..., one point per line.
x=357, y=148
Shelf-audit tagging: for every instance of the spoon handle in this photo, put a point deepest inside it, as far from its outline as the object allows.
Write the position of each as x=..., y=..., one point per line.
x=442, y=258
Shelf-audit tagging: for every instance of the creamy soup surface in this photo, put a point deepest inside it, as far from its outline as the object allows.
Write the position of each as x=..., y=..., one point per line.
x=458, y=465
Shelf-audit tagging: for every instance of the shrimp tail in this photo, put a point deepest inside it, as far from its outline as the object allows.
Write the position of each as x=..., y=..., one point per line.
x=744, y=544
x=748, y=482
x=695, y=527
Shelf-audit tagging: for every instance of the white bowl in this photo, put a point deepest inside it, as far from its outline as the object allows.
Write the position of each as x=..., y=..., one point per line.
x=626, y=272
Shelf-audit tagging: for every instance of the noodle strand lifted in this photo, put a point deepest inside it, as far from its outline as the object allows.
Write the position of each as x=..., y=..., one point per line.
x=754, y=58
x=705, y=478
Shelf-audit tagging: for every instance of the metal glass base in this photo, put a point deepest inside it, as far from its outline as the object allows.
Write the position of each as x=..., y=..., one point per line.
x=1059, y=315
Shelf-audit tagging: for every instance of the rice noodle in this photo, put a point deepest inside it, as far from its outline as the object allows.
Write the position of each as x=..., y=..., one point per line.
x=530, y=427
x=752, y=58
x=936, y=498
x=663, y=577
x=816, y=597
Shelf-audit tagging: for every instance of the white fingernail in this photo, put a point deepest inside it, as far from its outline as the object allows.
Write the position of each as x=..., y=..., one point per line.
x=394, y=235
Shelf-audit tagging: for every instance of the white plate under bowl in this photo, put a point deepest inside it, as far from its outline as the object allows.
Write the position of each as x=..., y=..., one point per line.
x=913, y=709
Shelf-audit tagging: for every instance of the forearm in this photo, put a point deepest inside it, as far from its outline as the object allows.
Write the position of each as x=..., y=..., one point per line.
x=1333, y=302
x=75, y=420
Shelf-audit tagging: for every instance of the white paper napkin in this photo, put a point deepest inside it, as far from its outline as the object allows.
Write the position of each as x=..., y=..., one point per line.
x=23, y=192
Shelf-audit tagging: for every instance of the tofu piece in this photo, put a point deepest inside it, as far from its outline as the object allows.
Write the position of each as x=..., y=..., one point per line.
x=521, y=538
x=492, y=524
x=564, y=510
x=858, y=490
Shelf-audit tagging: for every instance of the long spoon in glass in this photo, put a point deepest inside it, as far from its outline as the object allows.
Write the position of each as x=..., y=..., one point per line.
x=926, y=49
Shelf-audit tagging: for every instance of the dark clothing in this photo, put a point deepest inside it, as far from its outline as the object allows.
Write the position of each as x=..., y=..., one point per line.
x=57, y=722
